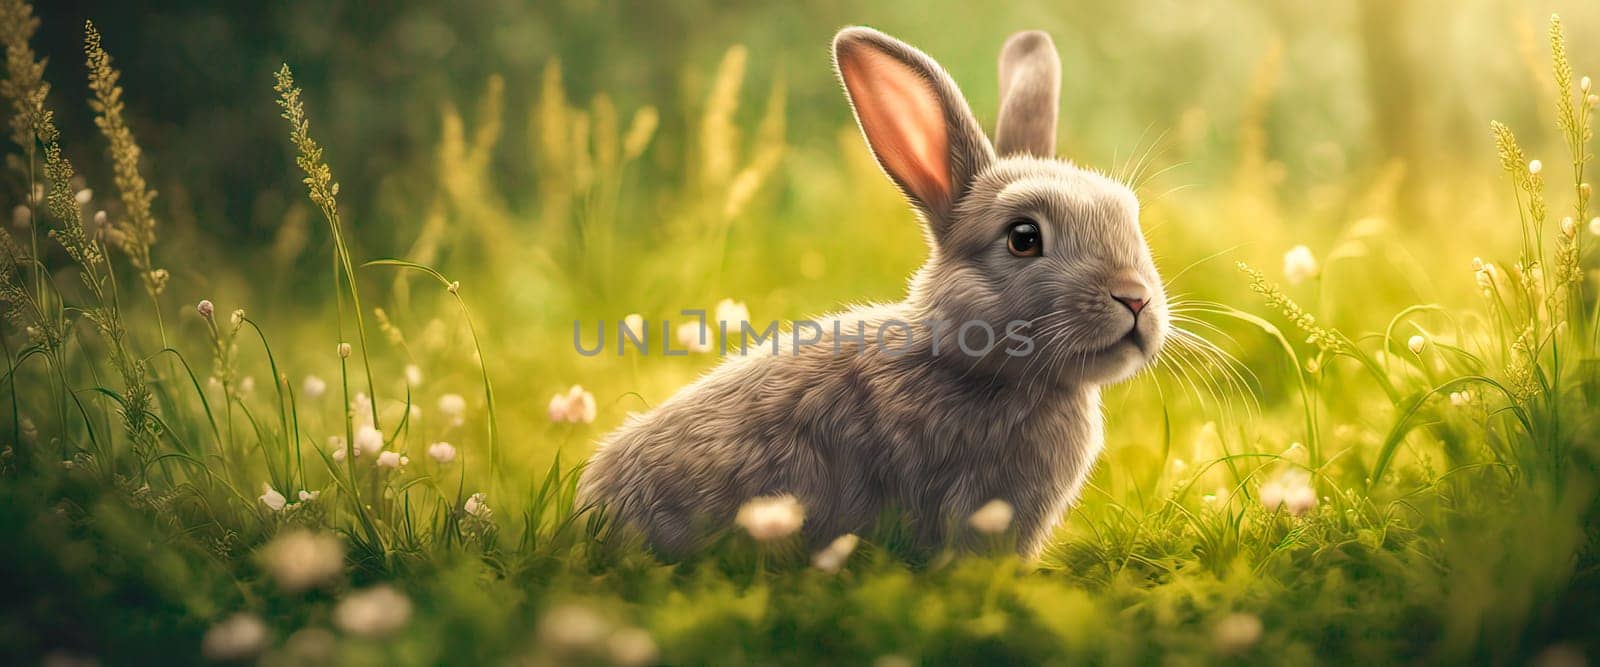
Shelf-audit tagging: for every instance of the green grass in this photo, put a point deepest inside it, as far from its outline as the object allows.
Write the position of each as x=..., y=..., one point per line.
x=1454, y=494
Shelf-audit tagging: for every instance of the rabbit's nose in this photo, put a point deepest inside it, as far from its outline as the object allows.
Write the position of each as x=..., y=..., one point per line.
x=1131, y=293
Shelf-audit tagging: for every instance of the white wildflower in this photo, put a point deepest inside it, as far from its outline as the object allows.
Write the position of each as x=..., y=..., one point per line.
x=344, y=350
x=84, y=196
x=21, y=215
x=314, y=387
x=1569, y=227
x=576, y=406
x=993, y=518
x=476, y=506
x=271, y=498
x=301, y=559
x=368, y=440
x=308, y=496
x=1584, y=84
x=336, y=447
x=632, y=647
x=635, y=325
x=832, y=558
x=733, y=313
x=1417, y=344
x=1299, y=265
x=442, y=452
x=206, y=309
x=1460, y=398
x=771, y=517
x=572, y=628
x=374, y=612
x=694, y=337
x=239, y=637
x=1292, y=491
x=1236, y=632
x=1535, y=166
x=453, y=407
x=247, y=385
x=413, y=375
x=392, y=460
x=1594, y=226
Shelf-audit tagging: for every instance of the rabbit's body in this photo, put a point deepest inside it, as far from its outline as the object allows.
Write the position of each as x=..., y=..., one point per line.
x=851, y=435
x=926, y=429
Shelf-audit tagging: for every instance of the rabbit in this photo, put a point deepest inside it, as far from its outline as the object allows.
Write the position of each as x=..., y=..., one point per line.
x=858, y=427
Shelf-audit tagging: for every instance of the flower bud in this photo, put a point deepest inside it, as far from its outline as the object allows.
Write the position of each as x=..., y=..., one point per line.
x=1535, y=166
x=206, y=309
x=344, y=350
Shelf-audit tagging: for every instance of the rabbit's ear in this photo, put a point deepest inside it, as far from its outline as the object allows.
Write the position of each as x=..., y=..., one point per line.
x=914, y=118
x=1030, y=96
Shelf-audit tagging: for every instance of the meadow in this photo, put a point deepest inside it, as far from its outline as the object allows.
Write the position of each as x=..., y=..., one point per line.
x=250, y=415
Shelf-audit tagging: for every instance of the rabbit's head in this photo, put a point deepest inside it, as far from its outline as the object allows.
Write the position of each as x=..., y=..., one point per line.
x=1016, y=235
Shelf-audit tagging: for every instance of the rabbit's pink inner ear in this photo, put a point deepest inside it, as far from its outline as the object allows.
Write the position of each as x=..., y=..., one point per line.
x=902, y=119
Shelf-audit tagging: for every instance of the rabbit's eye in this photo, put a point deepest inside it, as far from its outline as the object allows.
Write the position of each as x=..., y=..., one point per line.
x=1023, y=240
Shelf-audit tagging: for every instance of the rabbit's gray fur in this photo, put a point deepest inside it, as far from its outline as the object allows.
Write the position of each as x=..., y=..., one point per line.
x=869, y=429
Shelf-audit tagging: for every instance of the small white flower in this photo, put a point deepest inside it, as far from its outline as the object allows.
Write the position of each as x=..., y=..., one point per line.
x=374, y=612
x=1569, y=227
x=336, y=447
x=205, y=308
x=993, y=518
x=314, y=387
x=454, y=287
x=832, y=558
x=391, y=460
x=308, y=496
x=1584, y=84
x=1417, y=344
x=575, y=406
x=632, y=647
x=572, y=628
x=239, y=637
x=301, y=559
x=414, y=412
x=344, y=350
x=694, y=337
x=21, y=216
x=1299, y=265
x=1535, y=166
x=453, y=407
x=771, y=517
x=413, y=375
x=100, y=219
x=84, y=196
x=1291, y=491
x=368, y=440
x=271, y=498
x=1236, y=632
x=1178, y=466
x=1594, y=226
x=442, y=452
x=1593, y=100
x=476, y=506
x=635, y=325
x=1460, y=398
x=734, y=313
x=1300, y=499
x=247, y=386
